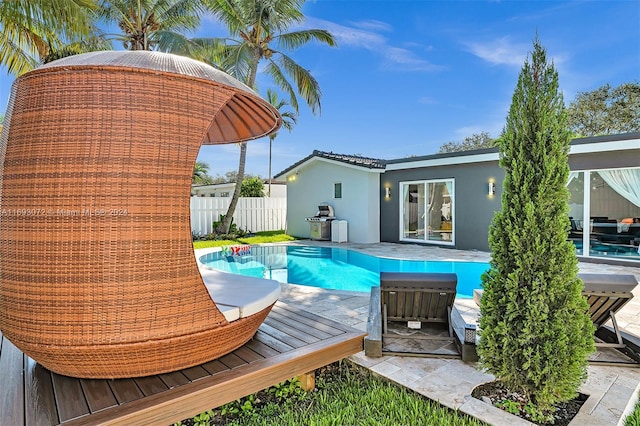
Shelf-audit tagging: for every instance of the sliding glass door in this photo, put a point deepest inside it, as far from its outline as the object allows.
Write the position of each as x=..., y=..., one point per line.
x=605, y=212
x=427, y=211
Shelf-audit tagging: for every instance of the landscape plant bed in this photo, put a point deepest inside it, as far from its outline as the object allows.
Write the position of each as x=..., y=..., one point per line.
x=498, y=395
x=345, y=394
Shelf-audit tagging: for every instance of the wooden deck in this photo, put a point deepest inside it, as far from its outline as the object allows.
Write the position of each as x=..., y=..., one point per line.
x=290, y=342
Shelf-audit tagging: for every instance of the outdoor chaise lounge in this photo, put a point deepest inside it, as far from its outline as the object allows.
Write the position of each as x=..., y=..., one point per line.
x=404, y=303
x=98, y=277
x=606, y=295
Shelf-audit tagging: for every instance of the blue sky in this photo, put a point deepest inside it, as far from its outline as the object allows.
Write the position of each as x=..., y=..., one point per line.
x=408, y=76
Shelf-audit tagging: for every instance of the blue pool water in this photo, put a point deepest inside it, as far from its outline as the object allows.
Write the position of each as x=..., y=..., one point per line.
x=336, y=268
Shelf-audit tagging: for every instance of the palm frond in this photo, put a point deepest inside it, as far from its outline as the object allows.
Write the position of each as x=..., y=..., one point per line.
x=281, y=81
x=229, y=13
x=306, y=84
x=18, y=60
x=169, y=41
x=295, y=39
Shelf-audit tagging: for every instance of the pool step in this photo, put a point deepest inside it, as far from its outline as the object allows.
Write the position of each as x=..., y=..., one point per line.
x=312, y=252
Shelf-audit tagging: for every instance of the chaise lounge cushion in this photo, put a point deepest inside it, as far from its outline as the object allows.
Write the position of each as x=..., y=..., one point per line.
x=248, y=295
x=415, y=280
x=610, y=283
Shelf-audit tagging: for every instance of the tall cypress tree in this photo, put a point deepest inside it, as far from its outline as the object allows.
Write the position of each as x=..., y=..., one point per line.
x=536, y=334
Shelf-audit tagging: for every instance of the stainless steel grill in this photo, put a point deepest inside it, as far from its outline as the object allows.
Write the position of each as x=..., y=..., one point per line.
x=320, y=224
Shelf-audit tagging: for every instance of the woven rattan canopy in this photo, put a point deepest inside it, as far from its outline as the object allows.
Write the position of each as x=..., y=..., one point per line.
x=97, y=271
x=243, y=117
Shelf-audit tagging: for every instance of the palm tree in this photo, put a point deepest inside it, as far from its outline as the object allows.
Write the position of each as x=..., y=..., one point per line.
x=152, y=24
x=200, y=173
x=34, y=29
x=255, y=27
x=289, y=119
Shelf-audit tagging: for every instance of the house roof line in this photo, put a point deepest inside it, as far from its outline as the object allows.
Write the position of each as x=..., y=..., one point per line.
x=623, y=141
x=353, y=160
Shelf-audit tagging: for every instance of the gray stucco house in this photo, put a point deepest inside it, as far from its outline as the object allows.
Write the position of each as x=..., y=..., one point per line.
x=449, y=199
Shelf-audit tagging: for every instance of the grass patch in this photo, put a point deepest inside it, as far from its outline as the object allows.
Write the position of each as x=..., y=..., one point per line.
x=345, y=394
x=257, y=238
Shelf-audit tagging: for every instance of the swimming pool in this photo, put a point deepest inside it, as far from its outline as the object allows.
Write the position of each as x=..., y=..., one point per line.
x=335, y=268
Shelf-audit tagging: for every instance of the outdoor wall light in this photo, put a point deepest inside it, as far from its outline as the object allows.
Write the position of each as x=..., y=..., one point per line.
x=492, y=188
x=387, y=192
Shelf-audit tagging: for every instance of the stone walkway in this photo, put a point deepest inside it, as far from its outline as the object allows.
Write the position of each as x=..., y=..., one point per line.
x=612, y=391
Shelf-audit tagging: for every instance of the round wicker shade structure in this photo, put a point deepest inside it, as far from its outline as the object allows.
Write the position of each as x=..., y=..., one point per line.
x=98, y=277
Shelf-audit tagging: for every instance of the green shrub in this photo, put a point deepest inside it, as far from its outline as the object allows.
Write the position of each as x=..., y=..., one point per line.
x=536, y=333
x=633, y=419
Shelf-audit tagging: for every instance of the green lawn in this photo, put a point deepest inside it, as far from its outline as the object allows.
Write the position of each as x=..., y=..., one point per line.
x=258, y=238
x=345, y=394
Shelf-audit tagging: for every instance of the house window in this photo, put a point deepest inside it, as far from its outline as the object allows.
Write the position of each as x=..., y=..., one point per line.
x=224, y=194
x=427, y=211
x=604, y=211
x=337, y=190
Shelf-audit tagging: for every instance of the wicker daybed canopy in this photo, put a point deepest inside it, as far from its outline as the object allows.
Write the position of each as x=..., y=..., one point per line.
x=98, y=277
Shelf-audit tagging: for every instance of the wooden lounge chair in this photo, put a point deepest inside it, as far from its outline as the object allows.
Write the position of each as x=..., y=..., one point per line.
x=606, y=295
x=415, y=307
x=98, y=276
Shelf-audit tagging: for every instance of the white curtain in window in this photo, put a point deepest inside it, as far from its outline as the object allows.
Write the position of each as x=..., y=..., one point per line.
x=572, y=176
x=625, y=182
x=449, y=188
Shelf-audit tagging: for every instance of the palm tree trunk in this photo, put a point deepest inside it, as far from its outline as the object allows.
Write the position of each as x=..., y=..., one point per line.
x=223, y=228
x=270, y=143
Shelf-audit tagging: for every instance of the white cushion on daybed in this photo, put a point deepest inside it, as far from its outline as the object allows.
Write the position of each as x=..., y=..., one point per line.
x=248, y=294
x=231, y=313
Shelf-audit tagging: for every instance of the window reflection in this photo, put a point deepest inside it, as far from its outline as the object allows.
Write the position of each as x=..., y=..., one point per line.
x=613, y=215
x=427, y=211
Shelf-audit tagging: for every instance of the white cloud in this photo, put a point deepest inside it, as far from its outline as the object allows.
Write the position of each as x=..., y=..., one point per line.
x=373, y=25
x=366, y=35
x=501, y=51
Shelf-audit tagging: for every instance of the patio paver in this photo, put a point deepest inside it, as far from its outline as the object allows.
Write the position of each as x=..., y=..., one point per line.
x=613, y=390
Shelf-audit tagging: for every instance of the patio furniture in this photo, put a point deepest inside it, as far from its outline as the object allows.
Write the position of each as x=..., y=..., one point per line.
x=606, y=295
x=416, y=307
x=98, y=277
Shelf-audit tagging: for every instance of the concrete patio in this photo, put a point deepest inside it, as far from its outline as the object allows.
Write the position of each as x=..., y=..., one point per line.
x=613, y=390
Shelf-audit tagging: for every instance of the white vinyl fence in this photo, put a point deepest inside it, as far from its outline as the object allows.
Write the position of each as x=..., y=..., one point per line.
x=252, y=214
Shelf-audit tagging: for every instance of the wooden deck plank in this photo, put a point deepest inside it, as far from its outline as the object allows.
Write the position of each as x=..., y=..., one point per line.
x=274, y=354
x=301, y=325
x=125, y=390
x=70, y=399
x=304, y=336
x=329, y=326
x=215, y=366
x=11, y=367
x=173, y=379
x=232, y=360
x=248, y=354
x=262, y=349
x=195, y=373
x=272, y=330
x=271, y=341
x=40, y=405
x=98, y=394
x=185, y=401
x=312, y=320
x=151, y=385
